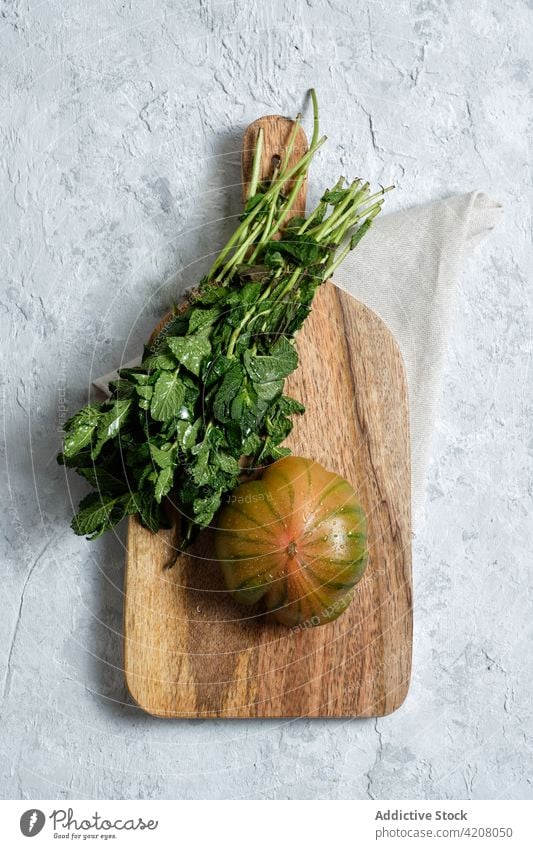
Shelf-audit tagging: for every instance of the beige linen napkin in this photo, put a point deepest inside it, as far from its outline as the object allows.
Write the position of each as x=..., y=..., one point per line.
x=405, y=269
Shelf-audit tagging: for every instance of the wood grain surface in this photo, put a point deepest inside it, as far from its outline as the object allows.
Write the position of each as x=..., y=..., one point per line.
x=190, y=650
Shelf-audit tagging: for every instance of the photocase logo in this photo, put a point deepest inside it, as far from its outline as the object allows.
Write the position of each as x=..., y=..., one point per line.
x=32, y=822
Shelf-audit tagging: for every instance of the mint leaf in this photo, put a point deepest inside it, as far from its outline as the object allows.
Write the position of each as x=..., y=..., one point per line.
x=200, y=318
x=190, y=351
x=227, y=391
x=228, y=463
x=145, y=392
x=168, y=396
x=251, y=204
x=282, y=360
x=110, y=422
x=199, y=471
x=86, y=416
x=205, y=508
x=150, y=512
x=80, y=429
x=136, y=375
x=268, y=391
x=164, y=456
x=272, y=452
x=358, y=235
x=251, y=444
x=98, y=513
x=334, y=196
x=164, y=483
x=303, y=248
x=176, y=326
x=102, y=480
x=187, y=433
x=165, y=362
x=290, y=406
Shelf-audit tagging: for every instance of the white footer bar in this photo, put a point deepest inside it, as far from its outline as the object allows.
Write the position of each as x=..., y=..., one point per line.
x=267, y=824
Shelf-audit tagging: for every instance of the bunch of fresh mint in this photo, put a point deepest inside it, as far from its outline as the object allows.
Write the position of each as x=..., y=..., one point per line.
x=209, y=390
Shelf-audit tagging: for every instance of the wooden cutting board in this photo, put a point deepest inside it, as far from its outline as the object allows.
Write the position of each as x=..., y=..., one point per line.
x=189, y=650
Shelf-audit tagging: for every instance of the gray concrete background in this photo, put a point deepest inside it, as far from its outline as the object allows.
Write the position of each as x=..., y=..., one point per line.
x=119, y=160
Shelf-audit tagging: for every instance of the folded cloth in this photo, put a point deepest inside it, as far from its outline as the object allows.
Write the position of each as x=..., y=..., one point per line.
x=405, y=269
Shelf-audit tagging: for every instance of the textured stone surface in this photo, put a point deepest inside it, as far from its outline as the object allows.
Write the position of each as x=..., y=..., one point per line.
x=119, y=159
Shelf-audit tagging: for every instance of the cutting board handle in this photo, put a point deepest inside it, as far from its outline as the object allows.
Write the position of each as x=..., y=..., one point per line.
x=276, y=134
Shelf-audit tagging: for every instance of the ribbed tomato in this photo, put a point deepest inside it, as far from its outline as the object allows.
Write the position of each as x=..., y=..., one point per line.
x=297, y=539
